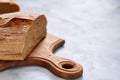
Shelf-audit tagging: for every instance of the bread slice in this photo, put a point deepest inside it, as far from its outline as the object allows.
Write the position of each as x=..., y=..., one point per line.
x=7, y=6
x=20, y=33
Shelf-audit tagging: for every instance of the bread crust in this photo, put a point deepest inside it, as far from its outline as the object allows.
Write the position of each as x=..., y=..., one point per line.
x=8, y=6
x=20, y=33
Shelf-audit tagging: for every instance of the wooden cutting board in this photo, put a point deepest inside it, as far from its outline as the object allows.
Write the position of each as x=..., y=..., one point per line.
x=43, y=55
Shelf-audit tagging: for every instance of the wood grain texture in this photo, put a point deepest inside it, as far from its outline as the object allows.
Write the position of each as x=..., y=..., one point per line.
x=42, y=55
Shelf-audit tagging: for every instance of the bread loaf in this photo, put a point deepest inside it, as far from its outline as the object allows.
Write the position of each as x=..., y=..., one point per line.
x=7, y=6
x=20, y=33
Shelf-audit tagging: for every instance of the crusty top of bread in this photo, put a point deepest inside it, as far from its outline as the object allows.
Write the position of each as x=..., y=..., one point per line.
x=5, y=18
x=8, y=6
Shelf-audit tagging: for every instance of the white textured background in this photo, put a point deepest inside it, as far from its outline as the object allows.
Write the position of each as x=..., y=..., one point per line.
x=91, y=29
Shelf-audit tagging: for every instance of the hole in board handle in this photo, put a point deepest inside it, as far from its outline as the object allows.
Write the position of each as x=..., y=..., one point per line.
x=67, y=65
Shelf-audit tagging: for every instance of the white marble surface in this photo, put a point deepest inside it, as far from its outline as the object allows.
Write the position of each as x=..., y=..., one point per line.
x=91, y=29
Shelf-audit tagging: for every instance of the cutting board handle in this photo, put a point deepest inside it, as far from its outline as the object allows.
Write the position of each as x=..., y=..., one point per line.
x=60, y=66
